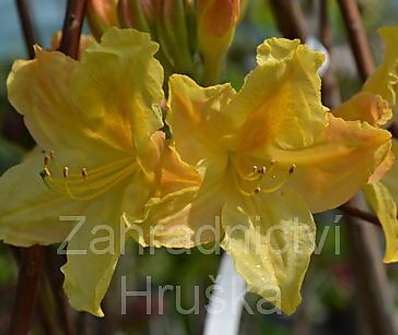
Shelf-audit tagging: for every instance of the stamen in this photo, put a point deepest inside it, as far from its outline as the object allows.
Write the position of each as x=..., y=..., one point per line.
x=262, y=170
x=46, y=160
x=82, y=186
x=264, y=179
x=66, y=172
x=45, y=173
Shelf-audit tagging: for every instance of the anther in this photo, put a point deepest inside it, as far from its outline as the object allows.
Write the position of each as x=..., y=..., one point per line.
x=292, y=168
x=45, y=173
x=257, y=190
x=46, y=160
x=66, y=172
x=52, y=154
x=273, y=162
x=84, y=173
x=255, y=168
x=262, y=170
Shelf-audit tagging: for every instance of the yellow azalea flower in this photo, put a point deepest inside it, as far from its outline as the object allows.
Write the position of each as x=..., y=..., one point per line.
x=375, y=104
x=269, y=155
x=97, y=122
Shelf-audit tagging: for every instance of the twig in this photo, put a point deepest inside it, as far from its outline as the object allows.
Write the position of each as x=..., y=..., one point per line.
x=355, y=212
x=55, y=279
x=72, y=28
x=357, y=36
x=373, y=291
x=27, y=289
x=330, y=90
x=28, y=29
x=30, y=259
x=289, y=18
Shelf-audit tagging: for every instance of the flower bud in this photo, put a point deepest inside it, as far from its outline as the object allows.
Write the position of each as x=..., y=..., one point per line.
x=172, y=30
x=101, y=15
x=137, y=14
x=217, y=20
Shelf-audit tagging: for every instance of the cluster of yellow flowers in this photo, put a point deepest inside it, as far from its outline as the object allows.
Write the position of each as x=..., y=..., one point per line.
x=253, y=164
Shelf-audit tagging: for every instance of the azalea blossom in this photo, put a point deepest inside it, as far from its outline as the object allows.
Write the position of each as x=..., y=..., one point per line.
x=269, y=155
x=100, y=152
x=376, y=104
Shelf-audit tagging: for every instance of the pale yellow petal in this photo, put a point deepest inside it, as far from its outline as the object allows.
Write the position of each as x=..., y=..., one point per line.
x=197, y=118
x=187, y=217
x=367, y=107
x=333, y=169
x=29, y=212
x=384, y=80
x=384, y=206
x=129, y=81
x=279, y=102
x=175, y=174
x=182, y=219
x=100, y=107
x=391, y=178
x=92, y=255
x=271, y=238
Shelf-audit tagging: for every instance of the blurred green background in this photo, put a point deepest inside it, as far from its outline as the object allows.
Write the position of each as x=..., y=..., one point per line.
x=329, y=301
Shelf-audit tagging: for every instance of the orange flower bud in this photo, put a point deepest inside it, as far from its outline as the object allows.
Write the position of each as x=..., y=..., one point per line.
x=137, y=14
x=217, y=20
x=102, y=15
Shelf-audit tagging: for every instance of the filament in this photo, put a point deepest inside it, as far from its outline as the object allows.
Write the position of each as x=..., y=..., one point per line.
x=87, y=184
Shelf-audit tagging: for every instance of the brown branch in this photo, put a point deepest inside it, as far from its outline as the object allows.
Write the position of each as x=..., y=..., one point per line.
x=374, y=296
x=29, y=31
x=30, y=259
x=357, y=36
x=27, y=289
x=72, y=28
x=55, y=279
x=289, y=18
x=330, y=90
x=355, y=212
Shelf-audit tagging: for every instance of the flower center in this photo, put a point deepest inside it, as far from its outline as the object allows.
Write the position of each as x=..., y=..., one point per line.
x=262, y=179
x=83, y=183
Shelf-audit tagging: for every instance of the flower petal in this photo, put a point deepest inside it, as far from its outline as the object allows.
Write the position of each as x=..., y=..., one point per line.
x=384, y=80
x=366, y=107
x=185, y=218
x=391, y=178
x=271, y=238
x=280, y=100
x=92, y=255
x=197, y=117
x=331, y=171
x=103, y=105
x=182, y=219
x=383, y=204
x=29, y=211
